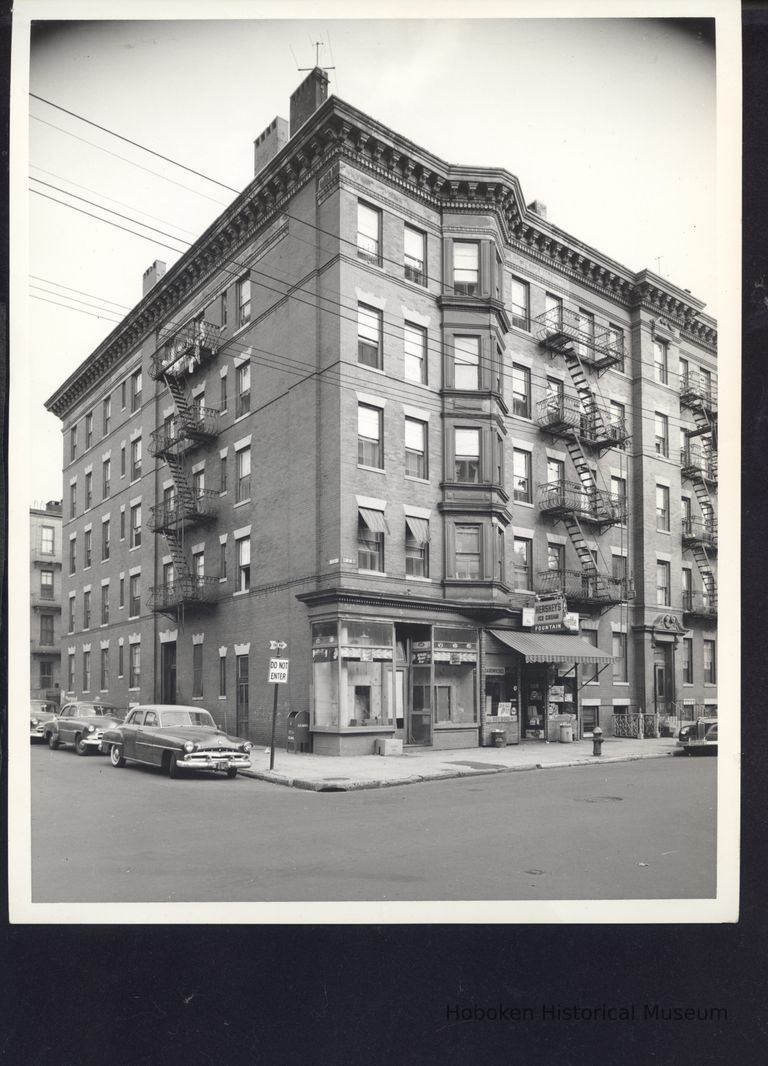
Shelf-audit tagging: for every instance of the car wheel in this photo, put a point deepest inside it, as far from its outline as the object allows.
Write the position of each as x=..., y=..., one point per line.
x=80, y=746
x=174, y=770
x=53, y=741
x=116, y=756
x=232, y=772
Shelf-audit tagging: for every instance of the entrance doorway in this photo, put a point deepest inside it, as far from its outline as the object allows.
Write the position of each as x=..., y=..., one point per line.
x=168, y=672
x=663, y=679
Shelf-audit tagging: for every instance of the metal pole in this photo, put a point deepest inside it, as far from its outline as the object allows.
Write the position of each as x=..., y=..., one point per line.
x=274, y=720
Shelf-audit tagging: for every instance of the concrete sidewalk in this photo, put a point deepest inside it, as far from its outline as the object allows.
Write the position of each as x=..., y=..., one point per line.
x=322, y=773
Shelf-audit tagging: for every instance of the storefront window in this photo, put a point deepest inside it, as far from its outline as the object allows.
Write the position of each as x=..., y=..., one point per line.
x=454, y=693
x=352, y=664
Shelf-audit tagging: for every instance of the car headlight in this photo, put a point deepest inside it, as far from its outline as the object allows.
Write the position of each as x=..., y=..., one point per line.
x=90, y=728
x=33, y=721
x=247, y=746
x=189, y=746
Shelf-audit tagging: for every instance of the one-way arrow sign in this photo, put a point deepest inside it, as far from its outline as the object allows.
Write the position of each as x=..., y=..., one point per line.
x=277, y=645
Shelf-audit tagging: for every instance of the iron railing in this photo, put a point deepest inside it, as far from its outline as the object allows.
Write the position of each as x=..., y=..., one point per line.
x=698, y=465
x=697, y=390
x=188, y=349
x=562, y=498
x=184, y=591
x=585, y=586
x=561, y=329
x=201, y=506
x=700, y=531
x=179, y=432
x=566, y=415
x=700, y=604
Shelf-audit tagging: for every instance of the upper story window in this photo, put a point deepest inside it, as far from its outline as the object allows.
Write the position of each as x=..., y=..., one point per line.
x=466, y=267
x=415, y=345
x=88, y=490
x=89, y=429
x=416, y=546
x=198, y=484
x=556, y=557
x=498, y=278
x=553, y=307
x=415, y=255
x=687, y=648
x=662, y=508
x=615, y=341
x=521, y=391
x=369, y=329
x=466, y=363
x=73, y=499
x=134, y=596
x=586, y=328
x=73, y=443
x=710, y=662
x=135, y=539
x=87, y=548
x=685, y=512
x=223, y=308
x=371, y=527
x=467, y=455
x=555, y=471
x=243, y=405
x=136, y=459
x=105, y=539
x=523, y=564
x=87, y=609
x=368, y=233
x=521, y=462
x=73, y=555
x=47, y=540
x=243, y=301
x=243, y=474
x=662, y=583
x=223, y=393
x=106, y=415
x=661, y=425
x=684, y=370
x=243, y=554
x=521, y=314
x=370, y=434
x=468, y=553
x=46, y=584
x=416, y=448
x=661, y=362
x=123, y=394
x=106, y=477
x=136, y=388
x=619, y=489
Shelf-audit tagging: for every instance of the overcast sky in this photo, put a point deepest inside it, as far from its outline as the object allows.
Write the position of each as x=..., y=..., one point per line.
x=610, y=122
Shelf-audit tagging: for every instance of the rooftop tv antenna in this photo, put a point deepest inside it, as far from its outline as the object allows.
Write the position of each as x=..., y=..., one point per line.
x=317, y=45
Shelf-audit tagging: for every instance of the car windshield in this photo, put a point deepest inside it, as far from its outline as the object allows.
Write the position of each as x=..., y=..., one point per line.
x=100, y=710
x=186, y=718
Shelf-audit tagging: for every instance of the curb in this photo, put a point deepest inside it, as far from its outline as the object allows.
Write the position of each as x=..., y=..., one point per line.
x=332, y=785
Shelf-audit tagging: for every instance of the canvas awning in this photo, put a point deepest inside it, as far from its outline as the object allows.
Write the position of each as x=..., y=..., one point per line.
x=373, y=519
x=419, y=527
x=551, y=647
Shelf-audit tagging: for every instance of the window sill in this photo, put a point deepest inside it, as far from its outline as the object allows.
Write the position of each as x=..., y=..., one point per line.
x=241, y=592
x=666, y=532
x=222, y=581
x=375, y=573
x=523, y=503
x=136, y=689
x=240, y=329
x=415, y=577
x=620, y=684
x=240, y=418
x=373, y=469
x=240, y=503
x=418, y=480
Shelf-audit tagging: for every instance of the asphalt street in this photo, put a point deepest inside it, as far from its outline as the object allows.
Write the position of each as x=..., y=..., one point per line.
x=637, y=830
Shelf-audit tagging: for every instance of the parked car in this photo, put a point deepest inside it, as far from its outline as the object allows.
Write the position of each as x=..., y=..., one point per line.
x=176, y=738
x=82, y=725
x=700, y=735
x=40, y=712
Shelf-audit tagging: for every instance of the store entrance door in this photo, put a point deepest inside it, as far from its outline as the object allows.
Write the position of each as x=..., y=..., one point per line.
x=168, y=672
x=534, y=691
x=420, y=717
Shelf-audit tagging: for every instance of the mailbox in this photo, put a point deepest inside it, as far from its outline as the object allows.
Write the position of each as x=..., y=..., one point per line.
x=298, y=731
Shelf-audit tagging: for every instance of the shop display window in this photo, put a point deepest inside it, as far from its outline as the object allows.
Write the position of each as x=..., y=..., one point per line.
x=454, y=693
x=352, y=665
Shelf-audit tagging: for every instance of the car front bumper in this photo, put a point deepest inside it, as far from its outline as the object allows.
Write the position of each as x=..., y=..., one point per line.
x=36, y=732
x=199, y=761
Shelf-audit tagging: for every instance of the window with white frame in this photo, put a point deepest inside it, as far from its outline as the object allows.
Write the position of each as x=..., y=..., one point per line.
x=466, y=267
x=47, y=540
x=523, y=562
x=243, y=404
x=416, y=448
x=468, y=552
x=662, y=508
x=370, y=434
x=243, y=553
x=244, y=301
x=661, y=440
x=466, y=455
x=521, y=391
x=521, y=462
x=243, y=473
x=136, y=390
x=414, y=255
x=368, y=233
x=415, y=348
x=661, y=362
x=520, y=304
x=135, y=540
x=369, y=330
x=466, y=363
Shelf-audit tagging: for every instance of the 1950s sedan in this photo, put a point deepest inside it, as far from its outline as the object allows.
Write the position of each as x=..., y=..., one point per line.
x=82, y=725
x=175, y=738
x=40, y=712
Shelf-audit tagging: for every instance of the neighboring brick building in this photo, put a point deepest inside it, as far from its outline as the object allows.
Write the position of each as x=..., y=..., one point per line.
x=378, y=405
x=45, y=600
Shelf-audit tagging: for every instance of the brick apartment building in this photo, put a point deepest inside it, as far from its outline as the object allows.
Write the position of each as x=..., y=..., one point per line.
x=45, y=600
x=377, y=407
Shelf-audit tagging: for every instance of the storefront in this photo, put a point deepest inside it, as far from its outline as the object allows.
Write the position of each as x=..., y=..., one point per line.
x=538, y=673
x=378, y=678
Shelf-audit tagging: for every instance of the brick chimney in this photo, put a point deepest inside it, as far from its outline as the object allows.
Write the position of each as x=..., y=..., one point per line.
x=308, y=97
x=152, y=275
x=269, y=143
x=538, y=208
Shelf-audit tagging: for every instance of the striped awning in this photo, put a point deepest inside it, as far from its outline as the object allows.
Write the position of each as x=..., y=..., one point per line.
x=419, y=527
x=373, y=519
x=551, y=647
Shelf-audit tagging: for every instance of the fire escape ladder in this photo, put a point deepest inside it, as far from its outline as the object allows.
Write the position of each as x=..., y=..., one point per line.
x=588, y=564
x=179, y=394
x=180, y=565
x=583, y=469
x=705, y=567
x=185, y=497
x=704, y=498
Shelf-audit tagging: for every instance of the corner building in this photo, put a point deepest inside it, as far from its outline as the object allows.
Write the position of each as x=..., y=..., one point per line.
x=375, y=410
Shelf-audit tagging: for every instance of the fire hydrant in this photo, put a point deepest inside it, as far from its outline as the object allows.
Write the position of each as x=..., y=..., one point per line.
x=597, y=741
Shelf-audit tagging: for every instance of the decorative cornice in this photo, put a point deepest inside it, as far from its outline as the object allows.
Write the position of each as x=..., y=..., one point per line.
x=339, y=131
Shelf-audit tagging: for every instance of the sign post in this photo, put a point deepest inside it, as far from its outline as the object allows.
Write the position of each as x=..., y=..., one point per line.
x=278, y=675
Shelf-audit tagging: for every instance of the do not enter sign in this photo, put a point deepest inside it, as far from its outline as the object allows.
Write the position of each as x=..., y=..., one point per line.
x=278, y=671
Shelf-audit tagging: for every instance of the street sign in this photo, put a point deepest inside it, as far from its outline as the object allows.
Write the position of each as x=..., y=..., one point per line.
x=277, y=645
x=278, y=671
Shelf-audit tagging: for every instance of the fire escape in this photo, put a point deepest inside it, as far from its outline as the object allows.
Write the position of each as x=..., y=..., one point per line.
x=582, y=423
x=185, y=505
x=698, y=461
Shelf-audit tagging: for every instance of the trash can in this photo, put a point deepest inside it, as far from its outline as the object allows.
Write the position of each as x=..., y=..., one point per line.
x=298, y=731
x=498, y=738
x=566, y=732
